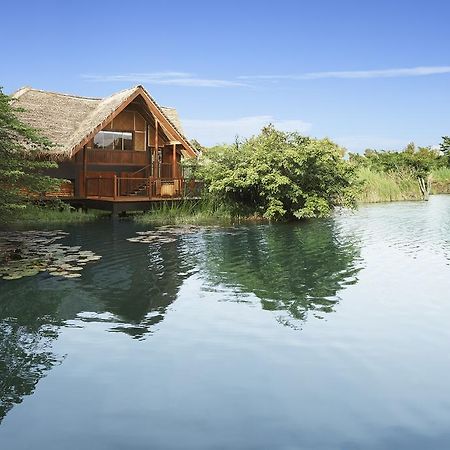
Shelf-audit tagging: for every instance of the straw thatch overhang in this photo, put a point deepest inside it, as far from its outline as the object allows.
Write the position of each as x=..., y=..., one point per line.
x=70, y=121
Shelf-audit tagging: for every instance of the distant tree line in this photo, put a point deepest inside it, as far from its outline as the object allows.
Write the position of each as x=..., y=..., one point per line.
x=416, y=161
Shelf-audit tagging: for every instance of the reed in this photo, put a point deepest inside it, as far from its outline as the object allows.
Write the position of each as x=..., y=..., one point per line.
x=441, y=181
x=52, y=214
x=201, y=212
x=387, y=186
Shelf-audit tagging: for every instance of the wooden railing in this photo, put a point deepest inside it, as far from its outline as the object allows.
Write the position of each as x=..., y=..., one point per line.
x=101, y=187
x=119, y=157
x=126, y=187
x=64, y=191
x=133, y=187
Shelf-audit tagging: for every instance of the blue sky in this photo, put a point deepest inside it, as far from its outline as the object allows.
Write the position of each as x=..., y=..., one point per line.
x=366, y=74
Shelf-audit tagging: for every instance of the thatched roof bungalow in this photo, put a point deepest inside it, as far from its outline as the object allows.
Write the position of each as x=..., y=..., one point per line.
x=124, y=145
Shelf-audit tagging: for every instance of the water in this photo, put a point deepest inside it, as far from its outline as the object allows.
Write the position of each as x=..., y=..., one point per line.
x=329, y=334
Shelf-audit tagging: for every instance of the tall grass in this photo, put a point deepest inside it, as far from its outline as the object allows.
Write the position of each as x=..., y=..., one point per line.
x=387, y=187
x=51, y=214
x=441, y=181
x=192, y=212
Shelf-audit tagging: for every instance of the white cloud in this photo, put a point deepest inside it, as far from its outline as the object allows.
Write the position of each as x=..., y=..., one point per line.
x=383, y=73
x=164, y=78
x=210, y=131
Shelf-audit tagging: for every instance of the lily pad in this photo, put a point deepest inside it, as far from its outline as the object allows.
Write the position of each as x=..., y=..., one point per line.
x=73, y=275
x=27, y=253
x=12, y=277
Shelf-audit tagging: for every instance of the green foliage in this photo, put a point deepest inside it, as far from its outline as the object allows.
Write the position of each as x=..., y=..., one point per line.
x=53, y=213
x=441, y=180
x=20, y=168
x=203, y=212
x=445, y=149
x=390, y=186
x=420, y=161
x=415, y=162
x=441, y=174
x=279, y=175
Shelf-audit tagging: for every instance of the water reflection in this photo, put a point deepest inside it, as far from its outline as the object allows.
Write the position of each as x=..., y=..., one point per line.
x=131, y=289
x=293, y=269
x=26, y=334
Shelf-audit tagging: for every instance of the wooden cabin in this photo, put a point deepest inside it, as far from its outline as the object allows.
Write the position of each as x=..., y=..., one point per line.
x=123, y=150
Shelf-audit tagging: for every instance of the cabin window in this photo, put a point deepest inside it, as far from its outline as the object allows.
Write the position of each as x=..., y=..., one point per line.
x=114, y=140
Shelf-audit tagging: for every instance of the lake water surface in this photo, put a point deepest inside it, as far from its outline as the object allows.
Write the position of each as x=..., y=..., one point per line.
x=330, y=334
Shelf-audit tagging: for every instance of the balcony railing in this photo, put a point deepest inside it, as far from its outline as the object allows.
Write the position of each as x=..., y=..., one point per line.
x=116, y=157
x=120, y=188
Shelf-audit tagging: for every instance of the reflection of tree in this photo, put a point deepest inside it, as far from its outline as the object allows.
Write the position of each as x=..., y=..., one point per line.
x=25, y=353
x=291, y=268
x=130, y=289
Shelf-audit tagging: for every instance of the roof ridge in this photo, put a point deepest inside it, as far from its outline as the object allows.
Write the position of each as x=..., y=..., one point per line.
x=25, y=89
x=63, y=94
x=21, y=91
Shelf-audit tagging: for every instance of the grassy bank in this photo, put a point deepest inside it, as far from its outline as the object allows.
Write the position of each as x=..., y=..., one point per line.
x=441, y=181
x=387, y=187
x=202, y=212
x=51, y=215
x=398, y=186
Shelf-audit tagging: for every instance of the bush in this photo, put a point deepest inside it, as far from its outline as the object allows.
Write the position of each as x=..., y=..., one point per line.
x=279, y=175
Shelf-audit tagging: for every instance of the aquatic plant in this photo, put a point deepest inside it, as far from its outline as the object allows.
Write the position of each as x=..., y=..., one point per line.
x=27, y=253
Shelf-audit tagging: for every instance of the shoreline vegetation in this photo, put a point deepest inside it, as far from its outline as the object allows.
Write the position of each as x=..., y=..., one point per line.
x=52, y=215
x=273, y=176
x=376, y=187
x=379, y=187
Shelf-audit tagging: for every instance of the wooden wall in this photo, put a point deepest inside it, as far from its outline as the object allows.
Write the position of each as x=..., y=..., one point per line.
x=129, y=120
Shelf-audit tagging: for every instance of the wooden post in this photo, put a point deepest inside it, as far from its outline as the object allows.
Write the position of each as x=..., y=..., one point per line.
x=84, y=172
x=148, y=150
x=156, y=162
x=115, y=186
x=174, y=161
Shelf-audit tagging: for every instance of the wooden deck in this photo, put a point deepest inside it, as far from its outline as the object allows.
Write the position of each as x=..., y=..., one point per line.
x=135, y=199
x=119, y=194
x=124, y=204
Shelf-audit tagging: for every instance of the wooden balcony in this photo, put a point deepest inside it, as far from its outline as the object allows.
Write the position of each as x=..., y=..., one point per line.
x=116, y=157
x=138, y=189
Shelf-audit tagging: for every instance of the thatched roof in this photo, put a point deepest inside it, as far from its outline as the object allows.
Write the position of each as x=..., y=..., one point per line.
x=69, y=121
x=172, y=115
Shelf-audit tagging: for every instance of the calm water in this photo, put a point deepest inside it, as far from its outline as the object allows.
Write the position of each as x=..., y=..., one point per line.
x=323, y=335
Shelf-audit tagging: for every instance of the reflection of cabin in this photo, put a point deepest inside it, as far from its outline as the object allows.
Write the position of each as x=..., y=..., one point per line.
x=120, y=149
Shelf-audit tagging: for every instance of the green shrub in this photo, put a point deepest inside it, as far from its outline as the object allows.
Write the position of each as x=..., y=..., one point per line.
x=279, y=175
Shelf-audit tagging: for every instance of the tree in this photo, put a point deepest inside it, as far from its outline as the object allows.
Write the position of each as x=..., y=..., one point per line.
x=279, y=175
x=21, y=168
x=445, y=149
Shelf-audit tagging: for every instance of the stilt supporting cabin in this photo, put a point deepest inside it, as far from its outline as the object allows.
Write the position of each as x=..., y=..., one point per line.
x=118, y=153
